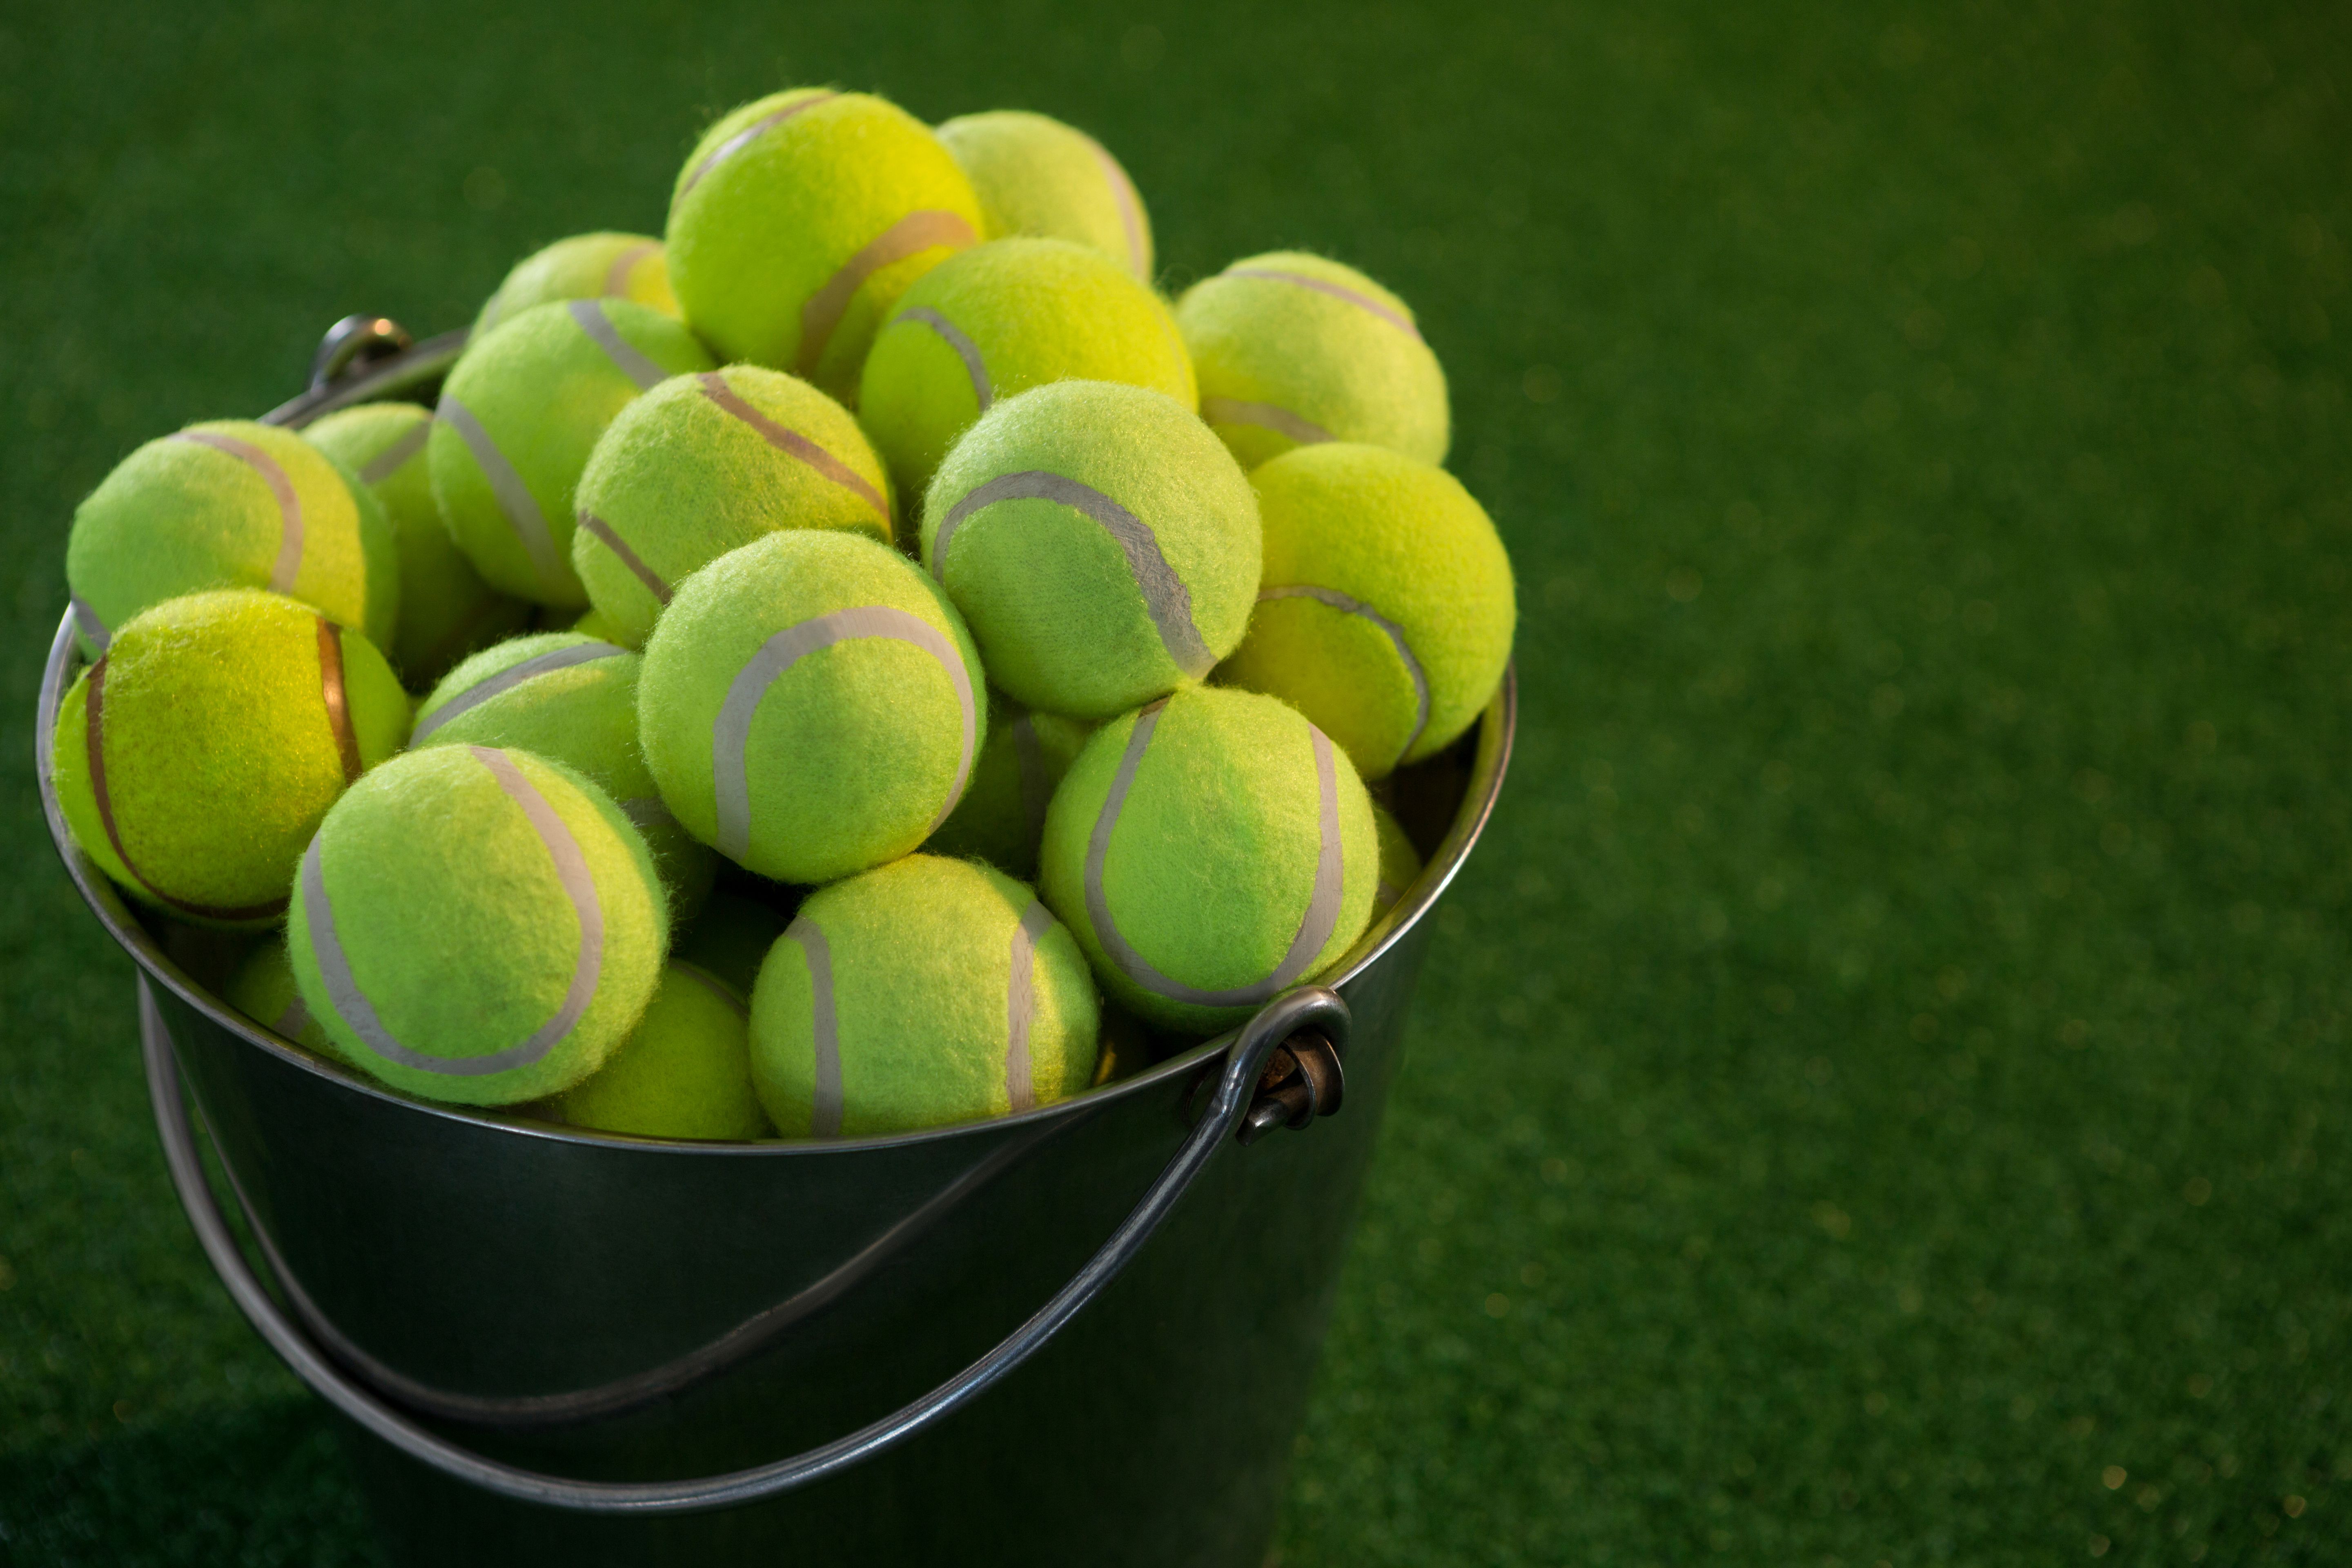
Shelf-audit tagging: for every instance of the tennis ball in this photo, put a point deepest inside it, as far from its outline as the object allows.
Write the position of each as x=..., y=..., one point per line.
x=684, y=1072
x=447, y=611
x=263, y=990
x=811, y=705
x=1400, y=861
x=584, y=267
x=799, y=219
x=231, y=504
x=704, y=464
x=922, y=993
x=729, y=938
x=572, y=699
x=518, y=418
x=597, y=624
x=195, y=758
x=1101, y=543
x=1210, y=852
x=1292, y=349
x=1036, y=175
x=1003, y=813
x=1386, y=610
x=1001, y=319
x=477, y=925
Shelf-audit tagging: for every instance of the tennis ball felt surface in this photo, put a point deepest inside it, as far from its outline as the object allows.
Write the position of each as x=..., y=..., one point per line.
x=922, y=993
x=194, y=761
x=799, y=219
x=263, y=990
x=1386, y=610
x=1400, y=861
x=477, y=925
x=996, y=321
x=447, y=611
x=518, y=418
x=1102, y=544
x=1035, y=175
x=684, y=1072
x=1003, y=814
x=1210, y=852
x=584, y=267
x=573, y=699
x=1294, y=349
x=704, y=464
x=231, y=504
x=811, y=705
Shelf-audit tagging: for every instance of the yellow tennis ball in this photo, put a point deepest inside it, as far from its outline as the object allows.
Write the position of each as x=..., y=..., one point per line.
x=1400, y=861
x=1386, y=610
x=798, y=220
x=996, y=321
x=1294, y=349
x=684, y=1072
x=584, y=267
x=919, y=993
x=518, y=418
x=1003, y=814
x=231, y=504
x=196, y=758
x=263, y=990
x=447, y=611
x=1210, y=851
x=705, y=464
x=1036, y=175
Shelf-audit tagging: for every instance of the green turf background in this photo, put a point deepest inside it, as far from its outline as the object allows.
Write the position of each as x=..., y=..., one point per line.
x=1878, y=1093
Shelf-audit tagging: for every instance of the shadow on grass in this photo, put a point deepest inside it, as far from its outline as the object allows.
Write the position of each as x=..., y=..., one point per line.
x=258, y=1486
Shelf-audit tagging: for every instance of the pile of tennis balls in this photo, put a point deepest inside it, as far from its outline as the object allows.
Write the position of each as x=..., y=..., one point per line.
x=857, y=634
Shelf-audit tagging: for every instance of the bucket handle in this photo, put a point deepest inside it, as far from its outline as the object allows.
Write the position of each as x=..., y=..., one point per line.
x=1307, y=1010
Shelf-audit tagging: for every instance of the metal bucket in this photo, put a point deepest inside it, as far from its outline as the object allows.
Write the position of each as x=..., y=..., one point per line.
x=553, y=1344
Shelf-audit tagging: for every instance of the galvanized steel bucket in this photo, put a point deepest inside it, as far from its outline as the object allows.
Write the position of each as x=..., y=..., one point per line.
x=553, y=1344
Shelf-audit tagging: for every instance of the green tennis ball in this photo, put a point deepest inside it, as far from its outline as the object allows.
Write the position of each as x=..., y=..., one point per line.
x=1400, y=861
x=598, y=625
x=705, y=464
x=518, y=418
x=729, y=938
x=1292, y=350
x=477, y=925
x=1210, y=851
x=584, y=267
x=1003, y=813
x=1101, y=543
x=1001, y=319
x=798, y=220
x=811, y=705
x=572, y=699
x=231, y=504
x=263, y=990
x=1386, y=610
x=922, y=993
x=684, y=1072
x=447, y=611
x=194, y=761
x=1035, y=175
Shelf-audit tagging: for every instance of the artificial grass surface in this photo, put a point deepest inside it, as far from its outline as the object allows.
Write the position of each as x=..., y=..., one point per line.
x=1877, y=1096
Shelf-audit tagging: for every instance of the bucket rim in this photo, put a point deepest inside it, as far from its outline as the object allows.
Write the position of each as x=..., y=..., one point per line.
x=1490, y=742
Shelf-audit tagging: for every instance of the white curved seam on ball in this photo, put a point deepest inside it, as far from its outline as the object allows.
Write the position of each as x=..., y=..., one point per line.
x=515, y=500
x=1165, y=597
x=731, y=734
x=617, y=274
x=1131, y=208
x=86, y=622
x=352, y=1005
x=712, y=984
x=1362, y=301
x=824, y=1029
x=1320, y=919
x=1021, y=1005
x=750, y=133
x=288, y=564
x=1267, y=415
x=291, y=1021
x=506, y=679
x=716, y=387
x=975, y=368
x=596, y=528
x=1347, y=605
x=394, y=458
x=822, y=313
x=628, y=358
